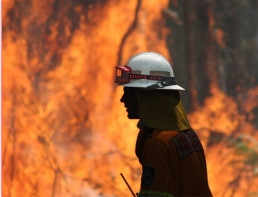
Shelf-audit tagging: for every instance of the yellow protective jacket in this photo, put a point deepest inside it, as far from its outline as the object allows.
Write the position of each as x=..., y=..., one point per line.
x=170, y=152
x=173, y=163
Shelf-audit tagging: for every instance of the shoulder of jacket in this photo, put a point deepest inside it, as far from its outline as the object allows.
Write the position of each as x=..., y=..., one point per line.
x=164, y=136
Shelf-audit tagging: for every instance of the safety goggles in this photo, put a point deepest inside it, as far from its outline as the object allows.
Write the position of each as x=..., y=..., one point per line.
x=124, y=76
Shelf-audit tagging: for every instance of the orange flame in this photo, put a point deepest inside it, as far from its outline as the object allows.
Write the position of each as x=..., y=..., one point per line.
x=217, y=123
x=64, y=131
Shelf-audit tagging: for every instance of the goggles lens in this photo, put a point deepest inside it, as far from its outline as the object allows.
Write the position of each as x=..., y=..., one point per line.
x=122, y=74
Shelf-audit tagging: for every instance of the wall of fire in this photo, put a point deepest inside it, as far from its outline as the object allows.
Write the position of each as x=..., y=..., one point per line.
x=64, y=132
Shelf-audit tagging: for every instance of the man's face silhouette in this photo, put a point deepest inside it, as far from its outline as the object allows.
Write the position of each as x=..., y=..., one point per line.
x=130, y=101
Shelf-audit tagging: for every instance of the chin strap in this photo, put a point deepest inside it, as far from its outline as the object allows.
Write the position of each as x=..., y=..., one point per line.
x=161, y=84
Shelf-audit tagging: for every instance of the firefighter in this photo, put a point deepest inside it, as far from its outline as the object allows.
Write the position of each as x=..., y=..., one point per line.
x=170, y=152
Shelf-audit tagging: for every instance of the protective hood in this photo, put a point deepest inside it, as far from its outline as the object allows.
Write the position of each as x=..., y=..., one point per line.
x=161, y=109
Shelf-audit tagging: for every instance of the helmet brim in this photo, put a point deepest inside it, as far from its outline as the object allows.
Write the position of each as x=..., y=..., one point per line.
x=172, y=87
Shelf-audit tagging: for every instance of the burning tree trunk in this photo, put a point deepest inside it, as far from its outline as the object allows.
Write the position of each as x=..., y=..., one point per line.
x=208, y=46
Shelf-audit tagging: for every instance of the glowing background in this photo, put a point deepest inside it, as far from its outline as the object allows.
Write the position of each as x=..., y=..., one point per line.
x=65, y=132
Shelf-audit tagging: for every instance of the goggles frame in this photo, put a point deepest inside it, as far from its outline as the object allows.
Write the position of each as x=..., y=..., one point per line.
x=124, y=76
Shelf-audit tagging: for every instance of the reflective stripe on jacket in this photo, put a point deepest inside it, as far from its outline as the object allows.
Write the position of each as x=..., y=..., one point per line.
x=154, y=194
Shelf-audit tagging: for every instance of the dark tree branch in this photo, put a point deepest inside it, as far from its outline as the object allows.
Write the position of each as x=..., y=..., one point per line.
x=129, y=31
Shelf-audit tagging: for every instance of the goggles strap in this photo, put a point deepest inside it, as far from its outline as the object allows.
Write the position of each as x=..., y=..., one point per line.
x=161, y=84
x=150, y=77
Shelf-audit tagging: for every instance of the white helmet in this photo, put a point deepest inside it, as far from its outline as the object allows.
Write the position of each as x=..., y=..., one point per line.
x=147, y=70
